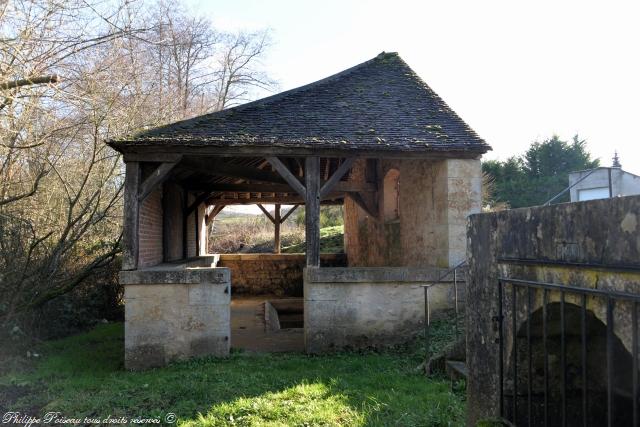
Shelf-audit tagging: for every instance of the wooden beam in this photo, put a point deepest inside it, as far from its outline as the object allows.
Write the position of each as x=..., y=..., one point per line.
x=287, y=175
x=442, y=151
x=130, y=238
x=266, y=212
x=284, y=218
x=276, y=225
x=197, y=231
x=152, y=157
x=290, y=200
x=312, y=210
x=220, y=168
x=361, y=202
x=336, y=177
x=156, y=178
x=336, y=187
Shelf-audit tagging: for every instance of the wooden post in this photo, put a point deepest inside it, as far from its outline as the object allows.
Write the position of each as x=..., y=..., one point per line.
x=197, y=230
x=131, y=214
x=312, y=210
x=276, y=224
x=185, y=222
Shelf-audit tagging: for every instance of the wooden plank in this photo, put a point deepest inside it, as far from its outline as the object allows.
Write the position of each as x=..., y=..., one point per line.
x=284, y=218
x=130, y=237
x=276, y=224
x=156, y=178
x=336, y=177
x=287, y=175
x=312, y=210
x=266, y=212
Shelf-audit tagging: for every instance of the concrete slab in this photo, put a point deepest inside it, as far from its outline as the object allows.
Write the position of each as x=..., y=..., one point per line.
x=249, y=332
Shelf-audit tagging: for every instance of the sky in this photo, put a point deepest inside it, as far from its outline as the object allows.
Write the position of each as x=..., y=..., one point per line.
x=516, y=72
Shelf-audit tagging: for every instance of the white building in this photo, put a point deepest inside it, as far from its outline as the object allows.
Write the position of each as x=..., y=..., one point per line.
x=603, y=182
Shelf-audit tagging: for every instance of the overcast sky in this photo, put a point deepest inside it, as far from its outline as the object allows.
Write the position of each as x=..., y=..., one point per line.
x=516, y=72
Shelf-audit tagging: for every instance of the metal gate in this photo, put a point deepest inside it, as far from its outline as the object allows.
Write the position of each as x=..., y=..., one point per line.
x=516, y=301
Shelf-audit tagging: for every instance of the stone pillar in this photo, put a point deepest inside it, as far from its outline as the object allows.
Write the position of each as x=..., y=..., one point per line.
x=464, y=197
x=175, y=314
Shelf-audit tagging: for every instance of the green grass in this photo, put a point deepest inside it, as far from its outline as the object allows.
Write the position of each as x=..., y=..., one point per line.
x=83, y=376
x=331, y=241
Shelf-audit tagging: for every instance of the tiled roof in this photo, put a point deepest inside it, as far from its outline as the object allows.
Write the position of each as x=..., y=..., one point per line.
x=380, y=104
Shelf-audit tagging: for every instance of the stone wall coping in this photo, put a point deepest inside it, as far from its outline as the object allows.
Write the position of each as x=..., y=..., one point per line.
x=373, y=275
x=170, y=275
x=274, y=257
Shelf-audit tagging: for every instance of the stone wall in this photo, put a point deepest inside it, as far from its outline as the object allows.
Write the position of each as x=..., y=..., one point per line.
x=354, y=308
x=270, y=274
x=435, y=198
x=174, y=314
x=594, y=244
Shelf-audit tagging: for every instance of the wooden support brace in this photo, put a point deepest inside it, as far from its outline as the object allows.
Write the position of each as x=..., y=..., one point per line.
x=214, y=212
x=156, y=178
x=287, y=175
x=266, y=212
x=336, y=177
x=284, y=218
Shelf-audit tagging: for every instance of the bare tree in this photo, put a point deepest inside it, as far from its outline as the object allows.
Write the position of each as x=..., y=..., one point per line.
x=239, y=67
x=72, y=75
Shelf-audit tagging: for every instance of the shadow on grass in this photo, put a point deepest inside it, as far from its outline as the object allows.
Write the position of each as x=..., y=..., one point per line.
x=84, y=376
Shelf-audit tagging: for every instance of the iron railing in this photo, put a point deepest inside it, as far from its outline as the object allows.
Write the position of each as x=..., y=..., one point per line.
x=531, y=287
x=455, y=270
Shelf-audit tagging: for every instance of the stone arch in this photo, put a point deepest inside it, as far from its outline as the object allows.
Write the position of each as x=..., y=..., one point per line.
x=596, y=362
x=391, y=195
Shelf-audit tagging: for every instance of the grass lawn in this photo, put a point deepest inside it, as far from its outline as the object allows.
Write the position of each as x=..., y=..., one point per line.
x=83, y=375
x=331, y=241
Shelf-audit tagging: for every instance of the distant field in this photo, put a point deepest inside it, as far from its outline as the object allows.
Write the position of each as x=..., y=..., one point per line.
x=235, y=232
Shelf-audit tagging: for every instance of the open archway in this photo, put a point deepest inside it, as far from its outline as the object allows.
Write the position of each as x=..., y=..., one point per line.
x=596, y=371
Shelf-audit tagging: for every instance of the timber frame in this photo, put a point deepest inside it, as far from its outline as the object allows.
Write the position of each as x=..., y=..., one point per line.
x=216, y=182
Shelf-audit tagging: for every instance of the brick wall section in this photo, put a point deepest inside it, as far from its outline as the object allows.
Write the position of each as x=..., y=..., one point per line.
x=150, y=230
x=271, y=274
x=191, y=232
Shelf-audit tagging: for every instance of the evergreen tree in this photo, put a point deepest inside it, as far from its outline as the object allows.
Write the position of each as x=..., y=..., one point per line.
x=539, y=174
